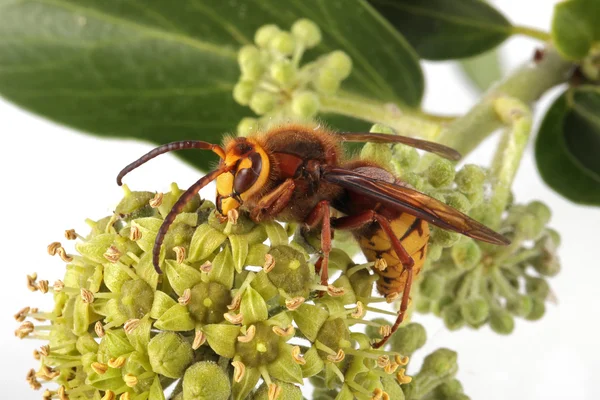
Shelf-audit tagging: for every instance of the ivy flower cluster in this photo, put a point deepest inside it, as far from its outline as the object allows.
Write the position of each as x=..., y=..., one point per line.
x=230, y=317
x=464, y=281
x=274, y=84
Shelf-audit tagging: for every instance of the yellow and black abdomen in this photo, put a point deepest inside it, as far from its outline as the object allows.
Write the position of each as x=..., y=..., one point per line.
x=414, y=236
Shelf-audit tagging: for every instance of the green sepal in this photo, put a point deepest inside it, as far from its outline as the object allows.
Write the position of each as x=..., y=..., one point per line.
x=94, y=248
x=205, y=240
x=310, y=319
x=222, y=338
x=177, y=318
x=145, y=270
x=263, y=285
x=181, y=276
x=114, y=277
x=276, y=233
x=239, y=251
x=253, y=307
x=156, y=391
x=314, y=363
x=148, y=227
x=223, y=269
x=162, y=302
x=113, y=344
x=81, y=317
x=256, y=254
x=86, y=344
x=140, y=336
x=284, y=368
x=241, y=390
x=110, y=380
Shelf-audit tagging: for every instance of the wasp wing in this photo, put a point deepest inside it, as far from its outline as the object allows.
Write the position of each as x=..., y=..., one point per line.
x=431, y=147
x=415, y=203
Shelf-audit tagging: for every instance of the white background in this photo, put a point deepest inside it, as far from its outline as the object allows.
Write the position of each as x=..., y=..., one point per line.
x=53, y=178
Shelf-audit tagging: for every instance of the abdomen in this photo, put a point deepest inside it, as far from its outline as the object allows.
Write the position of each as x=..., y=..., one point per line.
x=414, y=236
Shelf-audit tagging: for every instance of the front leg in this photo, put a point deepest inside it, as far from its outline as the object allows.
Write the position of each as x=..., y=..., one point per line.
x=273, y=202
x=322, y=213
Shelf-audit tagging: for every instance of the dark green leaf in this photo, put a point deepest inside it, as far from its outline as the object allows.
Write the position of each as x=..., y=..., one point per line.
x=446, y=29
x=164, y=71
x=575, y=27
x=483, y=70
x=568, y=143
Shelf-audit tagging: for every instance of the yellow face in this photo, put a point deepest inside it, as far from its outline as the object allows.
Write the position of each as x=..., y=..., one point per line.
x=246, y=179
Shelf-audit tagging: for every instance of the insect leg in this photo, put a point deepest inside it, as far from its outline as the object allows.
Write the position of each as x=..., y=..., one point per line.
x=322, y=213
x=356, y=221
x=273, y=202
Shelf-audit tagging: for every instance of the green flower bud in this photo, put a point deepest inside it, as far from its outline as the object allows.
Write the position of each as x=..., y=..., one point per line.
x=205, y=380
x=422, y=305
x=546, y=264
x=253, y=307
x=444, y=238
x=246, y=126
x=466, y=253
x=453, y=318
x=262, y=102
x=442, y=363
x=501, y=321
x=377, y=152
x=414, y=180
x=339, y=62
x=432, y=286
x=264, y=34
x=261, y=349
x=529, y=227
x=470, y=179
x=283, y=72
x=440, y=173
x=208, y=302
x=538, y=309
x=458, y=201
x=327, y=81
x=306, y=32
x=242, y=92
x=333, y=334
x=133, y=202
x=520, y=306
x=409, y=338
x=283, y=43
x=305, y=104
x=434, y=252
x=135, y=299
x=475, y=311
x=222, y=338
x=405, y=158
x=553, y=236
x=288, y=392
x=537, y=287
x=291, y=272
x=540, y=211
x=177, y=318
x=248, y=53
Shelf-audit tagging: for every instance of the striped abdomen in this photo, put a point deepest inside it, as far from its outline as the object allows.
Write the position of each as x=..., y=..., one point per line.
x=414, y=236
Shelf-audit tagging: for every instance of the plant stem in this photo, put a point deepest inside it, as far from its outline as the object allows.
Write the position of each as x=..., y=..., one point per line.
x=404, y=122
x=517, y=116
x=531, y=32
x=526, y=84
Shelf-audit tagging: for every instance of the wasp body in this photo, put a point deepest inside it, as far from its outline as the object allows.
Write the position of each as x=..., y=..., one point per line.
x=297, y=173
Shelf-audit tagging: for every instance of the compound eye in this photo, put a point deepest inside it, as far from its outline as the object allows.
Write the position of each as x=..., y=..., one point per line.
x=246, y=177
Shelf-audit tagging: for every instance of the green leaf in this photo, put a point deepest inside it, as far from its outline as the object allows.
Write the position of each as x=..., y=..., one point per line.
x=446, y=29
x=164, y=71
x=568, y=143
x=483, y=70
x=575, y=27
